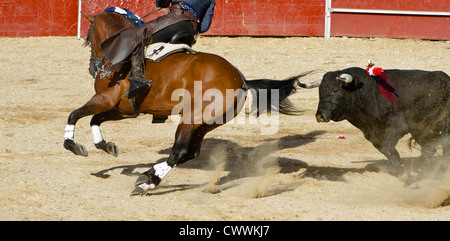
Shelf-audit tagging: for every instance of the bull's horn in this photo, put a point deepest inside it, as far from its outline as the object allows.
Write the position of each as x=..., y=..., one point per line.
x=311, y=85
x=346, y=78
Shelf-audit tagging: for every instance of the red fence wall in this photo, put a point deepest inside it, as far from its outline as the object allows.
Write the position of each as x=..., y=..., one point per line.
x=269, y=17
x=391, y=26
x=241, y=17
x=20, y=18
x=138, y=7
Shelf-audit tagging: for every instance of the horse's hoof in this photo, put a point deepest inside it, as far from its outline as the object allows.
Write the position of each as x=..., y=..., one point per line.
x=80, y=150
x=75, y=148
x=109, y=147
x=138, y=192
x=158, y=119
x=142, y=189
x=112, y=149
x=141, y=180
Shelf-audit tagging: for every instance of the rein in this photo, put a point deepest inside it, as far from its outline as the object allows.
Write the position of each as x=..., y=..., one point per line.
x=99, y=62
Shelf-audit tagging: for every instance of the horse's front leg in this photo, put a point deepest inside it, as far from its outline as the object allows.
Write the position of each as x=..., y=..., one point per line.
x=99, y=142
x=97, y=104
x=97, y=120
x=188, y=139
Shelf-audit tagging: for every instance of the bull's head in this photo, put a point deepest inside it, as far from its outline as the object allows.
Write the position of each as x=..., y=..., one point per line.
x=335, y=94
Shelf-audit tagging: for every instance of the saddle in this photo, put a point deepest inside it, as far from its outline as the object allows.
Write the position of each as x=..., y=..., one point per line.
x=156, y=52
x=181, y=42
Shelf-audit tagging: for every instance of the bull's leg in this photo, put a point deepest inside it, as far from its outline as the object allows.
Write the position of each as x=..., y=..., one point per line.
x=95, y=105
x=427, y=152
x=446, y=139
x=386, y=145
x=445, y=159
x=188, y=139
x=394, y=158
x=97, y=120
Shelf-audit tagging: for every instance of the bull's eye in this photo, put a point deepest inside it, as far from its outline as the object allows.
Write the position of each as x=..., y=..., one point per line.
x=335, y=91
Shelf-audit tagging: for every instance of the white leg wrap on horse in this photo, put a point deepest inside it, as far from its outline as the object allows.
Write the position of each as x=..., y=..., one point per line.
x=146, y=186
x=70, y=130
x=96, y=134
x=161, y=169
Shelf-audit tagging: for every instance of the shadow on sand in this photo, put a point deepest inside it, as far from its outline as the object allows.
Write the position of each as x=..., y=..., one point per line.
x=240, y=162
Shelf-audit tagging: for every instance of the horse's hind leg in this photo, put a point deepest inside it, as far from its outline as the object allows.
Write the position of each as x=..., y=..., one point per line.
x=188, y=140
x=96, y=121
x=94, y=106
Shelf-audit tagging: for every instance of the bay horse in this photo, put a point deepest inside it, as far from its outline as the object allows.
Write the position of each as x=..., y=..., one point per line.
x=179, y=71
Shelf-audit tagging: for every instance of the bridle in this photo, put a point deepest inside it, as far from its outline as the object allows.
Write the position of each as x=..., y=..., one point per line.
x=99, y=63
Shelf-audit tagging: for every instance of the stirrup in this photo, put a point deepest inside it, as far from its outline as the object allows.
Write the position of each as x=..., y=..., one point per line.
x=137, y=88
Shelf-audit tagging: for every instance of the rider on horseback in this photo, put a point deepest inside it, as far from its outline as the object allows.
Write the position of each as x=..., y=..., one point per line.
x=188, y=16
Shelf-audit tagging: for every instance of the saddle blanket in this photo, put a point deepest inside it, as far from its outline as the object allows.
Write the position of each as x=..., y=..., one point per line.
x=158, y=51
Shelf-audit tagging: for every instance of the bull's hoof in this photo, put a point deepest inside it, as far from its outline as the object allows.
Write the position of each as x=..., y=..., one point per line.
x=75, y=148
x=440, y=174
x=411, y=183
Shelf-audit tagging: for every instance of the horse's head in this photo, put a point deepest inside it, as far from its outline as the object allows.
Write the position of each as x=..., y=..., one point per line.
x=102, y=26
x=93, y=41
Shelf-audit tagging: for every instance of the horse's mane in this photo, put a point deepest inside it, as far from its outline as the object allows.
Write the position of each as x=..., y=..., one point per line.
x=87, y=41
x=114, y=19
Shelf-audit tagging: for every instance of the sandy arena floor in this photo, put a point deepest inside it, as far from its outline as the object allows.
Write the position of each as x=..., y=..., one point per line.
x=303, y=172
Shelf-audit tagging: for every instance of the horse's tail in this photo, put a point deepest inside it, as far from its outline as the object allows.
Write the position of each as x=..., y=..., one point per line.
x=285, y=88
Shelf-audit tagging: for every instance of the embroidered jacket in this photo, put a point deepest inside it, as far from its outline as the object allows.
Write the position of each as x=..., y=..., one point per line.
x=203, y=10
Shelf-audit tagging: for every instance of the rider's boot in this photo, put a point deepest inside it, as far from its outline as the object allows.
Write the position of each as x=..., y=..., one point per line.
x=139, y=85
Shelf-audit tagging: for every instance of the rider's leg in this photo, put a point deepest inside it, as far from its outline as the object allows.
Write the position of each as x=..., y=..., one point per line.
x=139, y=85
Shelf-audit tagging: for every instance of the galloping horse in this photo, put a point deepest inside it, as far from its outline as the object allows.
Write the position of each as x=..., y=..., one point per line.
x=203, y=78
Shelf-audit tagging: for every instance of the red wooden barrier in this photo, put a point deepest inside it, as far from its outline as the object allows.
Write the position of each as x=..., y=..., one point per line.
x=269, y=17
x=20, y=18
x=138, y=7
x=241, y=17
x=391, y=26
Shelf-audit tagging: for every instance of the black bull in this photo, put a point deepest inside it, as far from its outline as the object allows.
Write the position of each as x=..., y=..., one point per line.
x=419, y=105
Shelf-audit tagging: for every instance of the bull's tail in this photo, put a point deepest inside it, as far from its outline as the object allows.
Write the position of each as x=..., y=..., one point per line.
x=285, y=88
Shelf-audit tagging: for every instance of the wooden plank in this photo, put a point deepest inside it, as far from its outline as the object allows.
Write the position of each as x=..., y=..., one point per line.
x=22, y=18
x=388, y=24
